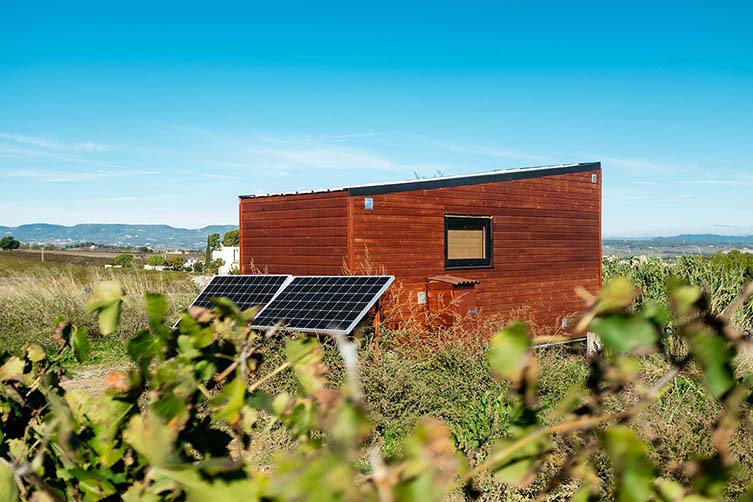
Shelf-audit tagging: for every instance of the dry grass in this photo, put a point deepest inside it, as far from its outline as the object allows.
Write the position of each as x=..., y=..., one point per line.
x=32, y=297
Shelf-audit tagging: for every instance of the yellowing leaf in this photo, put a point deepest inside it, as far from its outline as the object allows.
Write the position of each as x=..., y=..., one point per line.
x=151, y=437
x=13, y=369
x=34, y=353
x=8, y=487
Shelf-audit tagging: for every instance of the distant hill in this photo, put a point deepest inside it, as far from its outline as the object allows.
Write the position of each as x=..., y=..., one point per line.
x=678, y=245
x=154, y=236
x=704, y=239
x=684, y=239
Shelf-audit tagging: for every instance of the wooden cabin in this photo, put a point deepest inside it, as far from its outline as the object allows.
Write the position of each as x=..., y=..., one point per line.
x=502, y=243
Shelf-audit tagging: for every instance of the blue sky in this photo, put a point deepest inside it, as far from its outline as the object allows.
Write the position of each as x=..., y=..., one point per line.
x=132, y=113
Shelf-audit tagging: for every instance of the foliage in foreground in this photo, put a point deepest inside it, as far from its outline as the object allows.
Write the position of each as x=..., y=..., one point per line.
x=183, y=424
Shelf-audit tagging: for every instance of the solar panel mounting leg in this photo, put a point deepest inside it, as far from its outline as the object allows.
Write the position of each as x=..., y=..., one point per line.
x=377, y=332
x=593, y=345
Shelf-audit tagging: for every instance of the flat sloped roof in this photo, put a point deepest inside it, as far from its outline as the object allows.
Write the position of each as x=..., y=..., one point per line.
x=448, y=181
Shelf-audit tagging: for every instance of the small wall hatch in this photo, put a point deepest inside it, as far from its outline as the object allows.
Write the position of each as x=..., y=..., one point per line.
x=421, y=297
x=368, y=204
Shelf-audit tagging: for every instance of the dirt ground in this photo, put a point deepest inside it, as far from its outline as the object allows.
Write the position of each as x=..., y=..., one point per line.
x=90, y=379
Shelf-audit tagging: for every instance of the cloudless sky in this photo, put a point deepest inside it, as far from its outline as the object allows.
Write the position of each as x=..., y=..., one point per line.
x=165, y=112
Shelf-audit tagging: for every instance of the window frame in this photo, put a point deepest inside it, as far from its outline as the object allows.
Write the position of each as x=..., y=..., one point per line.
x=484, y=223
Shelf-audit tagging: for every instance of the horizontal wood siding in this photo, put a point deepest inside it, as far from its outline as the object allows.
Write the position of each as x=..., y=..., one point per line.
x=546, y=239
x=304, y=234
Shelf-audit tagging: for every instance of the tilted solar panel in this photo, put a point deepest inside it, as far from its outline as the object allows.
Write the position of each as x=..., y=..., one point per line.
x=245, y=291
x=323, y=304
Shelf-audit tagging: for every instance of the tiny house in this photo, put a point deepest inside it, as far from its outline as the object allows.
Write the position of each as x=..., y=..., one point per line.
x=501, y=243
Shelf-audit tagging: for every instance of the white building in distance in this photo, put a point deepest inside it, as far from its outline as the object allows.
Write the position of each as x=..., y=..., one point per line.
x=230, y=255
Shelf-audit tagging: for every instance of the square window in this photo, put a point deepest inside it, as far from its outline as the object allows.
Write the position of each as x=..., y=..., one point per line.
x=467, y=241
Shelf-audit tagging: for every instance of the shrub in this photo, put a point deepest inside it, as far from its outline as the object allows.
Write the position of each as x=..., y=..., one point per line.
x=8, y=243
x=123, y=260
x=155, y=261
x=186, y=422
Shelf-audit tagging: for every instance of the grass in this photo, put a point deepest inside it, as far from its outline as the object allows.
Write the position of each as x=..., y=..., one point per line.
x=32, y=295
x=454, y=383
x=721, y=276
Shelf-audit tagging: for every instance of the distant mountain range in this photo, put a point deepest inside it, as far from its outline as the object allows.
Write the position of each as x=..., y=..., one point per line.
x=684, y=239
x=167, y=237
x=153, y=236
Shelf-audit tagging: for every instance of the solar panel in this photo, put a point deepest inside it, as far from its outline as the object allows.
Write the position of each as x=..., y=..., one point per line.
x=323, y=304
x=245, y=291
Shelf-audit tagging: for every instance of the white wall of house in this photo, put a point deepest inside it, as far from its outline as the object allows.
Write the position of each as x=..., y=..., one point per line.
x=230, y=255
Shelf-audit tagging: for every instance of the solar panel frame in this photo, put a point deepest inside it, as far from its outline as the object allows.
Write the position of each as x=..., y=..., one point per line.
x=362, y=311
x=282, y=285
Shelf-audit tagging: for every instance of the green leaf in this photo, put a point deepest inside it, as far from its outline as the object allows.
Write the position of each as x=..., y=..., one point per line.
x=430, y=462
x=171, y=408
x=249, y=417
x=683, y=297
x=199, y=489
x=509, y=353
x=305, y=356
x=351, y=425
x=80, y=344
x=226, y=307
x=519, y=466
x=93, y=485
x=143, y=347
x=669, y=490
x=715, y=357
x=618, y=294
x=634, y=473
x=228, y=402
x=106, y=301
x=156, y=309
x=626, y=333
x=8, y=487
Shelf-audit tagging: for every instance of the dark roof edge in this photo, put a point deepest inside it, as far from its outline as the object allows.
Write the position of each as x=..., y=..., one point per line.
x=471, y=179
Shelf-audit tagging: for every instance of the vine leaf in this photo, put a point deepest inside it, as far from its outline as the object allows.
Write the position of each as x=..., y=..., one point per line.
x=305, y=356
x=633, y=470
x=106, y=302
x=228, y=402
x=80, y=344
x=715, y=357
x=625, y=333
x=8, y=487
x=152, y=438
x=509, y=351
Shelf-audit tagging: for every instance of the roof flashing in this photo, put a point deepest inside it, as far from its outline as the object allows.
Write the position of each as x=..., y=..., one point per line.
x=447, y=181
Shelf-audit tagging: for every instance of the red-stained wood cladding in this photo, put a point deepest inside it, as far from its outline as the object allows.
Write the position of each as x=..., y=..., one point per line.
x=300, y=234
x=546, y=235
